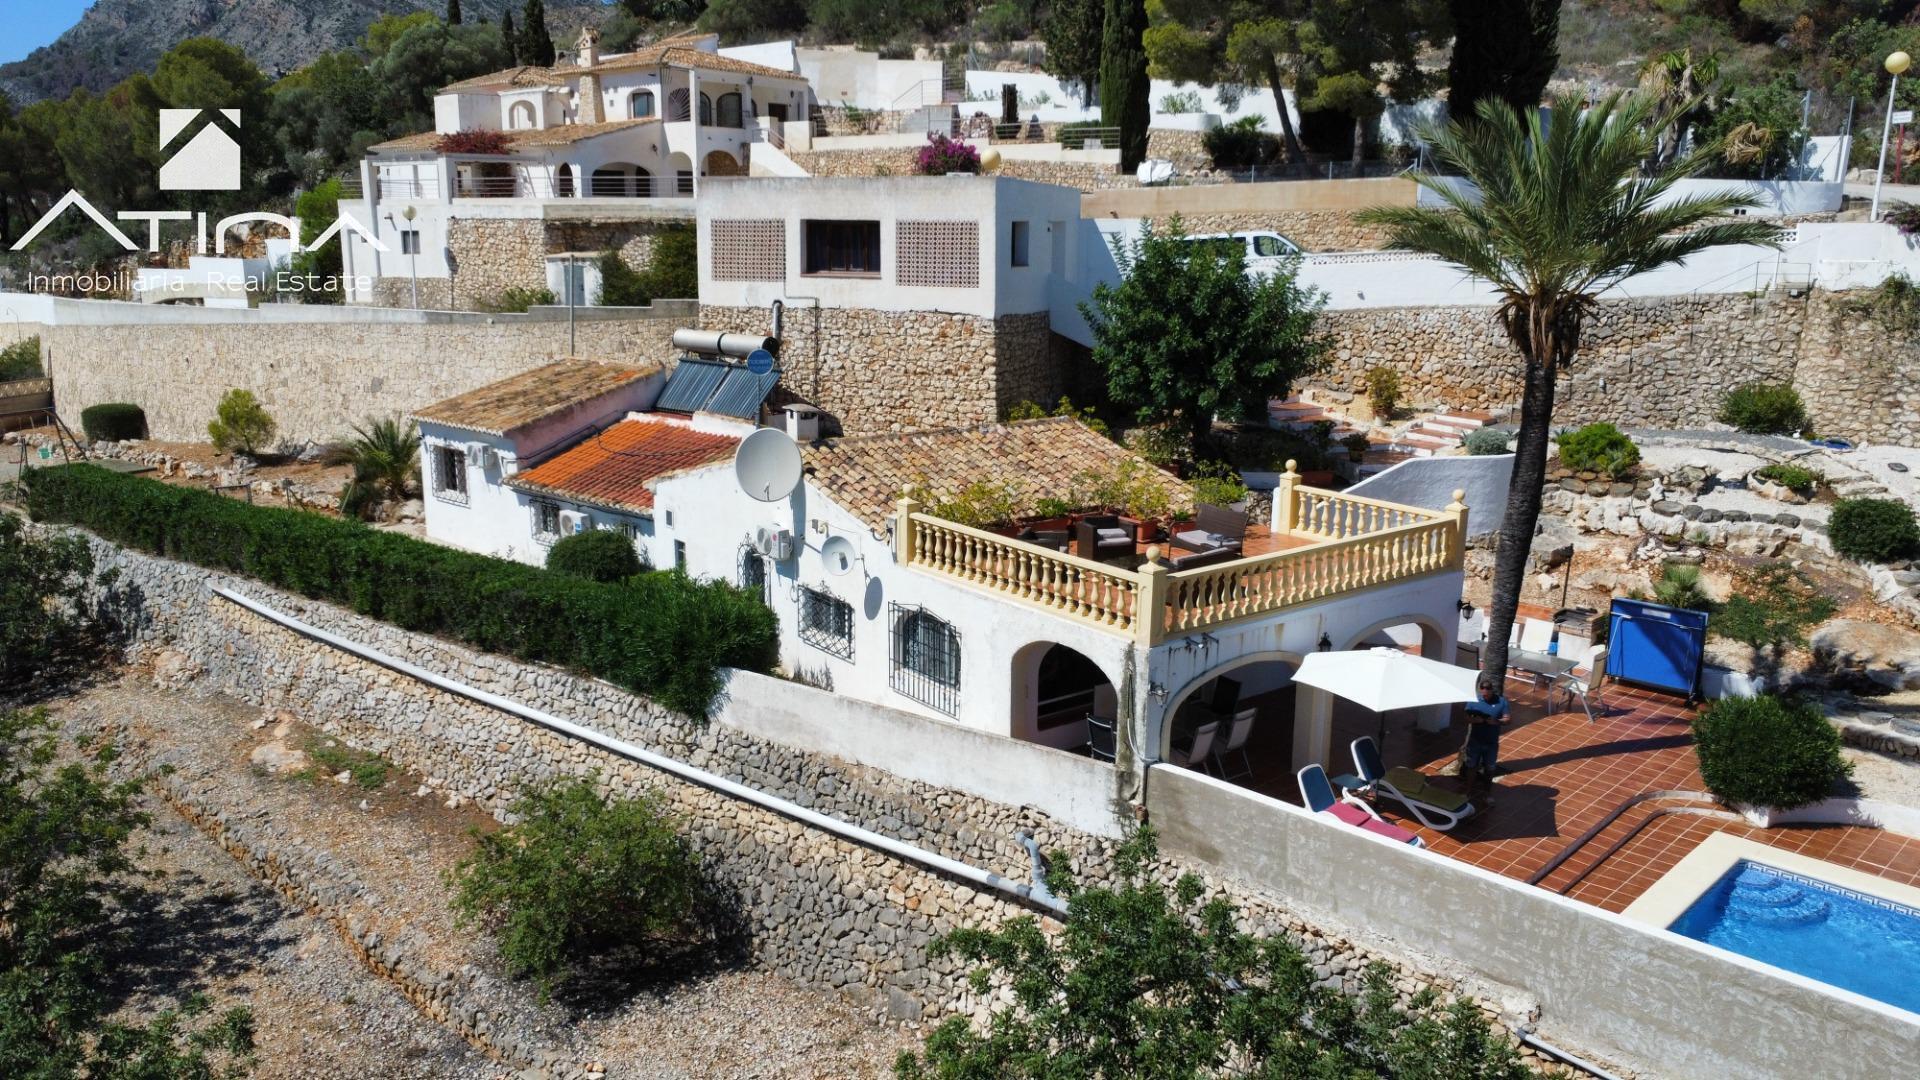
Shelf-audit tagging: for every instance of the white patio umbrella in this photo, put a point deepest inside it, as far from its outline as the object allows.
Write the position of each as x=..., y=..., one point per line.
x=1383, y=678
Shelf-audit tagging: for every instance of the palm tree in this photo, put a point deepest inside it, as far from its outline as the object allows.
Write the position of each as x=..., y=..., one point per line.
x=1561, y=214
x=386, y=463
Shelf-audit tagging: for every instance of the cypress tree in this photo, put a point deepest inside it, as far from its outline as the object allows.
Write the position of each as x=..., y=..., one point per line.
x=1501, y=48
x=1124, y=87
x=509, y=38
x=536, y=45
x=453, y=12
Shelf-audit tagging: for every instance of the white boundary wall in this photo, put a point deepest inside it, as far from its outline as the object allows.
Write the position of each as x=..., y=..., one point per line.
x=1640, y=996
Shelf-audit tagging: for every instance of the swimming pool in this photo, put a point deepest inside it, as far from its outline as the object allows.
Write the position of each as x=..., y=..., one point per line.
x=1854, y=940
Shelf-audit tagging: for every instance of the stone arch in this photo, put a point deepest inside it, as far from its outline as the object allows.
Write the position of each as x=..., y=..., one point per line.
x=620, y=179
x=1049, y=682
x=721, y=163
x=520, y=115
x=1432, y=638
x=1164, y=739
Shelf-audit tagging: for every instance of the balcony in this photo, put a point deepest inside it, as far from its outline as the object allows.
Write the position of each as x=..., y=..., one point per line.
x=1324, y=545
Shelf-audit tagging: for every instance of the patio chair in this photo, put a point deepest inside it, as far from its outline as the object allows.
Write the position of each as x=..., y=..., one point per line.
x=1215, y=530
x=1535, y=635
x=1584, y=681
x=1237, y=734
x=1100, y=737
x=1057, y=539
x=1316, y=791
x=1199, y=752
x=1435, y=807
x=1102, y=536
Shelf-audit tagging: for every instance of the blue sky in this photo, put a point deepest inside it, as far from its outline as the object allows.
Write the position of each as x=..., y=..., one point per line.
x=30, y=24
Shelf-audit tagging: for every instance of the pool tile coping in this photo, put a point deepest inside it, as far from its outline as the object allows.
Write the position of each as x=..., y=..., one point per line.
x=1669, y=897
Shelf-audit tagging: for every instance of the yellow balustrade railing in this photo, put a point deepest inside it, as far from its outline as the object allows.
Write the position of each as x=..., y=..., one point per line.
x=1360, y=544
x=1078, y=588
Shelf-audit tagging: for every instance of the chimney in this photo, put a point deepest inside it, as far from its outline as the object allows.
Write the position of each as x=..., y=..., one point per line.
x=588, y=47
x=592, y=110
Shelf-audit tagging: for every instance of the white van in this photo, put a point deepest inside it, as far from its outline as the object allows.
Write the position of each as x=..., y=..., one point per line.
x=1265, y=251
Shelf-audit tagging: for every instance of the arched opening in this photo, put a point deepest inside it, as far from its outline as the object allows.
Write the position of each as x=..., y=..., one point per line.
x=682, y=167
x=520, y=115
x=721, y=163
x=1055, y=690
x=706, y=109
x=620, y=180
x=1250, y=703
x=640, y=105
x=680, y=105
x=563, y=186
x=727, y=111
x=1405, y=736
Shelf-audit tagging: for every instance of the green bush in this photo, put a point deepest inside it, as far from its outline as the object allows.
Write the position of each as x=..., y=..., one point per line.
x=1873, y=530
x=577, y=878
x=113, y=422
x=516, y=300
x=1764, y=409
x=1240, y=145
x=43, y=608
x=1679, y=586
x=1795, y=478
x=1383, y=391
x=1768, y=751
x=661, y=635
x=1215, y=482
x=604, y=555
x=1600, y=448
x=21, y=360
x=1486, y=442
x=241, y=424
x=1772, y=604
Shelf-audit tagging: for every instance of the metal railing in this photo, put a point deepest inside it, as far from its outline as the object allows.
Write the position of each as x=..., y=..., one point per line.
x=1355, y=543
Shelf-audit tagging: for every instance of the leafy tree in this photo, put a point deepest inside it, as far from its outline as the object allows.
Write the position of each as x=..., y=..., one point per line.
x=509, y=38
x=1553, y=216
x=325, y=115
x=21, y=360
x=43, y=601
x=318, y=269
x=1232, y=42
x=240, y=424
x=1351, y=48
x=740, y=18
x=1758, y=131
x=603, y=555
x=1148, y=981
x=1073, y=31
x=428, y=57
x=386, y=463
x=577, y=877
x=1124, y=86
x=383, y=32
x=1502, y=49
x=536, y=44
x=1187, y=334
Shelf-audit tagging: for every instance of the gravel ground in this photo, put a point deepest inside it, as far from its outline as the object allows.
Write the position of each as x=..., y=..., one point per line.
x=397, y=842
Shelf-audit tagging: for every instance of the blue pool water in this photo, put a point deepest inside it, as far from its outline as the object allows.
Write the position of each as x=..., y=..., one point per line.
x=1858, y=942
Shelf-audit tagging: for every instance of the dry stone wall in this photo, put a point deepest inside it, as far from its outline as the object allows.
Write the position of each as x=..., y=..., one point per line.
x=497, y=254
x=1313, y=230
x=317, y=377
x=878, y=371
x=813, y=907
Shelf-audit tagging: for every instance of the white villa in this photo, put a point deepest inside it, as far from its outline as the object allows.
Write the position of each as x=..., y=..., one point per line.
x=1039, y=632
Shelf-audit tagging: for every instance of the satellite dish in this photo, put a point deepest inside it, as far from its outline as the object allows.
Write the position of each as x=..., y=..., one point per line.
x=767, y=465
x=760, y=361
x=839, y=555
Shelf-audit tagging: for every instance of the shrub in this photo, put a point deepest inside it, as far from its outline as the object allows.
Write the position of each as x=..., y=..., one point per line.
x=604, y=555
x=21, y=360
x=1486, y=442
x=385, y=458
x=1903, y=216
x=1764, y=409
x=1772, y=604
x=473, y=141
x=1795, y=478
x=1240, y=145
x=662, y=635
x=1679, y=586
x=241, y=424
x=1383, y=391
x=672, y=271
x=1185, y=101
x=1768, y=751
x=1600, y=448
x=1873, y=530
x=1025, y=410
x=516, y=300
x=1215, y=482
x=43, y=610
x=579, y=877
x=113, y=421
x=942, y=155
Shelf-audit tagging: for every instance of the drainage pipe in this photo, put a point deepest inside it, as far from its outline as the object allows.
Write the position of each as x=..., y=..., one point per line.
x=1026, y=894
x=1555, y=1052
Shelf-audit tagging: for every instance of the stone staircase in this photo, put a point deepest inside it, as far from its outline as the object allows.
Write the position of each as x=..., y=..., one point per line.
x=1436, y=431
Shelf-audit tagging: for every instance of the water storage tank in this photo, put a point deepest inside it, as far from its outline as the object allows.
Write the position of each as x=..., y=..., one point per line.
x=714, y=342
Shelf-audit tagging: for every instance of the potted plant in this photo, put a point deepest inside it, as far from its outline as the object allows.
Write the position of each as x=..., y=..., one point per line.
x=1147, y=504
x=1049, y=513
x=1356, y=444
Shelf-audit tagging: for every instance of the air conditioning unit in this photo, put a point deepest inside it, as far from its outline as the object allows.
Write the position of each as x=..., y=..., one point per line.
x=476, y=452
x=775, y=544
x=572, y=521
x=490, y=459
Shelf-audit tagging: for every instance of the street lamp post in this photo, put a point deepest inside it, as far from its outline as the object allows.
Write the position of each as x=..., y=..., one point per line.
x=413, y=254
x=1897, y=64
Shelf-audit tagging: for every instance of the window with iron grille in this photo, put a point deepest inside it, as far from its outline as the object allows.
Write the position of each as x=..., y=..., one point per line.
x=753, y=572
x=546, y=521
x=450, y=474
x=826, y=622
x=926, y=658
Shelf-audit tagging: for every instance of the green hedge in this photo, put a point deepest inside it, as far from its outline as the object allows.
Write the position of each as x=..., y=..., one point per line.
x=1874, y=530
x=600, y=555
x=1768, y=751
x=661, y=635
x=113, y=421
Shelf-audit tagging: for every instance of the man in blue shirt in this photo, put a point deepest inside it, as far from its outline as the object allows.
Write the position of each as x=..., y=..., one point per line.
x=1481, y=756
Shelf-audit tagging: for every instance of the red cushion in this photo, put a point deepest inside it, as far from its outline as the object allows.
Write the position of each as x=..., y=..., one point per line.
x=1349, y=813
x=1391, y=832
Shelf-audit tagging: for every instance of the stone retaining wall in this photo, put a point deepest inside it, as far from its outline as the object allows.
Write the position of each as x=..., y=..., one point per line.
x=318, y=377
x=815, y=908
x=899, y=161
x=880, y=371
x=497, y=254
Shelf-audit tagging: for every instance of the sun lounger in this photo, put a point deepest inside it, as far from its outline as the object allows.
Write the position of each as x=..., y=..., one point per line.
x=1317, y=792
x=1434, y=806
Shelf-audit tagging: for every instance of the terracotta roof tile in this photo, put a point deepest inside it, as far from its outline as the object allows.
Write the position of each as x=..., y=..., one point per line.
x=504, y=407
x=558, y=135
x=619, y=467
x=672, y=51
x=526, y=75
x=1038, y=458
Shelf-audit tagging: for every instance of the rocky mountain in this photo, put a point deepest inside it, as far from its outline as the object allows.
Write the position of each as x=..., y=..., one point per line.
x=116, y=38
